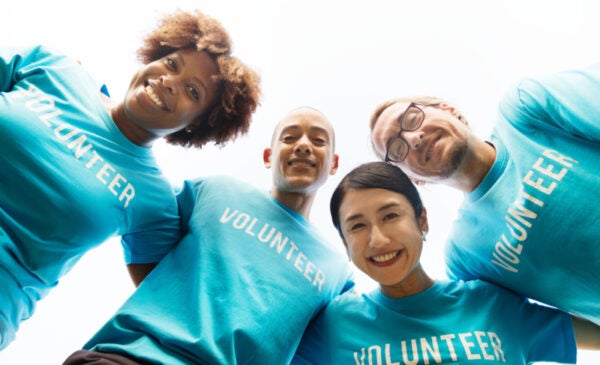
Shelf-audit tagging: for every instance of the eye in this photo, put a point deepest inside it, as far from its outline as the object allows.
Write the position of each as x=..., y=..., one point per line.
x=412, y=118
x=193, y=93
x=318, y=141
x=288, y=138
x=355, y=227
x=171, y=64
x=390, y=216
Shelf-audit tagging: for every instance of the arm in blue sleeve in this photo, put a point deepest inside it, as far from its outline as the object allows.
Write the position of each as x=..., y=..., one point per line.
x=565, y=102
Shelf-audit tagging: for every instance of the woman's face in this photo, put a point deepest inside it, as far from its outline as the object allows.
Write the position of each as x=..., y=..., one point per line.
x=169, y=94
x=382, y=235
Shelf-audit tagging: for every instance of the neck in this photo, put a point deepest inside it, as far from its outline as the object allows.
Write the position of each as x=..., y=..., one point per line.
x=131, y=130
x=477, y=163
x=416, y=282
x=298, y=202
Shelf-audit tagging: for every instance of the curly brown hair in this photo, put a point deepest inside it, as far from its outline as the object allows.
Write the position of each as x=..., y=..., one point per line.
x=239, y=89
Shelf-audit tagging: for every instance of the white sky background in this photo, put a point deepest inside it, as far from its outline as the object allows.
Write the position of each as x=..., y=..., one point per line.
x=342, y=57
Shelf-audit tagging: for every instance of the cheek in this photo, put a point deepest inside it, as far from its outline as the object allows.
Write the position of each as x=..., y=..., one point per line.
x=188, y=112
x=355, y=250
x=411, y=166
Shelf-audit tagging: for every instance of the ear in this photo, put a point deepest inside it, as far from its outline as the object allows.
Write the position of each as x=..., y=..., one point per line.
x=267, y=157
x=417, y=181
x=449, y=108
x=334, y=164
x=423, y=222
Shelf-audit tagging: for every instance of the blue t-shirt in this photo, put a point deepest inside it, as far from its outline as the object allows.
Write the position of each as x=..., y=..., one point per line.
x=240, y=287
x=69, y=180
x=453, y=322
x=532, y=225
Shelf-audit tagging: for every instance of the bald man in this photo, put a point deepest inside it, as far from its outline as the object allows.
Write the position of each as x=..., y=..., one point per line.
x=250, y=272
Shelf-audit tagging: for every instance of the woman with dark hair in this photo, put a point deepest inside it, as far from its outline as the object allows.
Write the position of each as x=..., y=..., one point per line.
x=76, y=168
x=411, y=318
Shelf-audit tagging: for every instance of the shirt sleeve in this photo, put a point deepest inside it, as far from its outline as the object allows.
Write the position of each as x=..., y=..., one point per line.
x=545, y=333
x=151, y=244
x=17, y=63
x=313, y=348
x=163, y=227
x=565, y=102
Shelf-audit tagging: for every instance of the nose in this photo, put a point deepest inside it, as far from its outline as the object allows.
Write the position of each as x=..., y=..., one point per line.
x=378, y=238
x=303, y=146
x=168, y=83
x=413, y=138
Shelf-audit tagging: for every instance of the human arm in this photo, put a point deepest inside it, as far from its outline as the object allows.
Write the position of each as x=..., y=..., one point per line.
x=564, y=102
x=10, y=62
x=146, y=247
x=313, y=345
x=18, y=63
x=587, y=334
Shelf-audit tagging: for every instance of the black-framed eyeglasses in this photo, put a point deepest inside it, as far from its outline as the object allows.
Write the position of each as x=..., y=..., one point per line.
x=397, y=147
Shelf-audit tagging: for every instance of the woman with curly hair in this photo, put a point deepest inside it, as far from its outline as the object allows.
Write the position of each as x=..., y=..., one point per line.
x=76, y=168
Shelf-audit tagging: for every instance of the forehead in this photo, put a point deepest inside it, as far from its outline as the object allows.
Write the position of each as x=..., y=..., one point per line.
x=198, y=63
x=358, y=202
x=305, y=119
x=386, y=126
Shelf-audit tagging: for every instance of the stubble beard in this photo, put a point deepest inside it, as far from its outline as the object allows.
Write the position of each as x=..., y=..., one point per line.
x=457, y=156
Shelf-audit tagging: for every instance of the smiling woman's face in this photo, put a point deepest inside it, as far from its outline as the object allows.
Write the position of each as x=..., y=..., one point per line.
x=168, y=94
x=382, y=234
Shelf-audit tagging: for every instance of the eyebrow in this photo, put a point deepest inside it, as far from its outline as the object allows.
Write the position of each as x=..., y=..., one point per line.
x=312, y=129
x=380, y=209
x=404, y=112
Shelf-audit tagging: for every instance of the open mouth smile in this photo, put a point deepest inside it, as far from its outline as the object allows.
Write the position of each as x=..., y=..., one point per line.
x=385, y=259
x=154, y=97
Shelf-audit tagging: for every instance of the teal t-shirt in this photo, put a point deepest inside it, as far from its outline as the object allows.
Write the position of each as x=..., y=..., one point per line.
x=240, y=287
x=532, y=224
x=453, y=322
x=69, y=180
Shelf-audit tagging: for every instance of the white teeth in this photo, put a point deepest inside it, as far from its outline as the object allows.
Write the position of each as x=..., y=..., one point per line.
x=386, y=257
x=153, y=96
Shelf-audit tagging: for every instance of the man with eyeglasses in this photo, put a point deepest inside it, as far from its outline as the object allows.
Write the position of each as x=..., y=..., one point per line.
x=530, y=220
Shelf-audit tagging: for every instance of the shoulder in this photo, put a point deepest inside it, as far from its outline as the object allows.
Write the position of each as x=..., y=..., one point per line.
x=216, y=187
x=33, y=55
x=217, y=181
x=41, y=52
x=478, y=290
x=350, y=303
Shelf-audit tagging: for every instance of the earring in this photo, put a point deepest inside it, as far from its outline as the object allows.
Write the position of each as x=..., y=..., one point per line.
x=424, y=234
x=188, y=130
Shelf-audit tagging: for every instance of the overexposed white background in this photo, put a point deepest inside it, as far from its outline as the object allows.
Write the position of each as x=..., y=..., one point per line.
x=342, y=57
